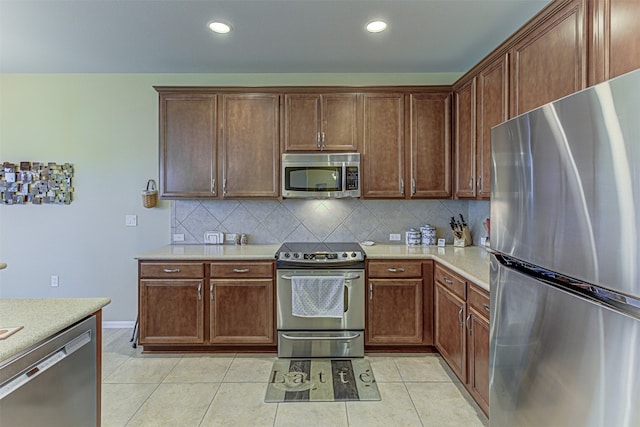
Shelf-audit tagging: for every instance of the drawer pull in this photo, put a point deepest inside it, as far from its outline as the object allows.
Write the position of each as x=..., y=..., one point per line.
x=241, y=270
x=486, y=307
x=171, y=270
x=447, y=281
x=395, y=270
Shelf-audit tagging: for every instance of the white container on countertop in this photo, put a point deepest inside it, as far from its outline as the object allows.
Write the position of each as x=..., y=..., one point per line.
x=428, y=235
x=413, y=237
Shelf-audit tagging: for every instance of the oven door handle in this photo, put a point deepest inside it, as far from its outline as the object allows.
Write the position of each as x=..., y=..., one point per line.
x=306, y=338
x=346, y=278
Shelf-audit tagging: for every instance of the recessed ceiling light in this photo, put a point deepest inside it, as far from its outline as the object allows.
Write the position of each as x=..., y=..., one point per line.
x=219, y=27
x=376, y=26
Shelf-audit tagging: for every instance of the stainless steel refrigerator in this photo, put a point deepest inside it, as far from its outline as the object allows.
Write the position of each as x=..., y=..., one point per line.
x=565, y=282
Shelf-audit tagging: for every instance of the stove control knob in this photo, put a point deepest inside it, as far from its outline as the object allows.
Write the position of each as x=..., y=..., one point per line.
x=296, y=255
x=287, y=254
x=353, y=254
x=344, y=255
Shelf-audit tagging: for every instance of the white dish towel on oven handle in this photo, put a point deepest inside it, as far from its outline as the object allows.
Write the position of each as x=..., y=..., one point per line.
x=317, y=296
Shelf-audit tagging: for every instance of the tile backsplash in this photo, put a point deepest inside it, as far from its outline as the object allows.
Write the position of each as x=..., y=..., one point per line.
x=336, y=220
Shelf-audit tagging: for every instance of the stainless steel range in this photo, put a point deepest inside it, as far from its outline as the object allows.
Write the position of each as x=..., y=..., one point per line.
x=320, y=300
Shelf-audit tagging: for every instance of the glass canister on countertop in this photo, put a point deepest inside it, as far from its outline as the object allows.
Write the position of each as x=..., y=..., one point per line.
x=428, y=235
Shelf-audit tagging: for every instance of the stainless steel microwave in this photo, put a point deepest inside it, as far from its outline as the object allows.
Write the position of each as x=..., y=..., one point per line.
x=320, y=175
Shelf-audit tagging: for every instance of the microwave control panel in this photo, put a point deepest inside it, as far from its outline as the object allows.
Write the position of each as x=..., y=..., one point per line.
x=352, y=178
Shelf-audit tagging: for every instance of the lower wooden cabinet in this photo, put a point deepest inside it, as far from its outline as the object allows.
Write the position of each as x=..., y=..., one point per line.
x=199, y=304
x=241, y=303
x=462, y=331
x=395, y=306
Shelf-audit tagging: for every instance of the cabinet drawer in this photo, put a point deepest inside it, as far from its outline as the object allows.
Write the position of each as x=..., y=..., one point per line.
x=171, y=269
x=243, y=270
x=391, y=269
x=451, y=281
x=478, y=299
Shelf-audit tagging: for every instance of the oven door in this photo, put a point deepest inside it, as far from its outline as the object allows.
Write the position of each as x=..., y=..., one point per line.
x=354, y=294
x=302, y=337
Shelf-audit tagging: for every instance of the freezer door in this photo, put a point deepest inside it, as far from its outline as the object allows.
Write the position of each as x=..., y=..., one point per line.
x=558, y=359
x=565, y=185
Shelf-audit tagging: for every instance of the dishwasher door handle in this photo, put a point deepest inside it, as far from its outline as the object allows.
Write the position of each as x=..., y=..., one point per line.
x=306, y=338
x=347, y=278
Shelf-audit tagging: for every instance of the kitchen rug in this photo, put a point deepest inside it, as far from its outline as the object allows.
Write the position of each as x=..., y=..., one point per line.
x=321, y=380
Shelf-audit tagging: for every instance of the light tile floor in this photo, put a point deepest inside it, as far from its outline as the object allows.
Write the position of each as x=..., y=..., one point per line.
x=229, y=389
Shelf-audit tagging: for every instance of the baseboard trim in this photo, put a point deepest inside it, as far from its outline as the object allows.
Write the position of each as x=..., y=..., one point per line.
x=118, y=324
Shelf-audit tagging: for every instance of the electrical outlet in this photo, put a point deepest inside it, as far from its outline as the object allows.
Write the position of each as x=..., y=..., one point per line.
x=54, y=281
x=131, y=220
x=395, y=237
x=178, y=237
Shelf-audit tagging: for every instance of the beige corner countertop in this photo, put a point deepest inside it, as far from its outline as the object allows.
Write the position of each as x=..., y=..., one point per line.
x=471, y=262
x=41, y=318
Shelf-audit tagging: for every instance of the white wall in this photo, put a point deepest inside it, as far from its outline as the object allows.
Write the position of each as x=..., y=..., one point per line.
x=107, y=126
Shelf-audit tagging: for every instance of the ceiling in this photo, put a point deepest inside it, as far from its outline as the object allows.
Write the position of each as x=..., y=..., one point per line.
x=268, y=36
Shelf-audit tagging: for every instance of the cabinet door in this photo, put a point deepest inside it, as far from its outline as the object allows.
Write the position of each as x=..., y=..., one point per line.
x=616, y=39
x=394, y=312
x=187, y=146
x=465, y=139
x=242, y=311
x=302, y=122
x=171, y=312
x=478, y=356
x=383, y=145
x=250, y=150
x=450, y=338
x=551, y=61
x=339, y=122
x=430, y=145
x=492, y=109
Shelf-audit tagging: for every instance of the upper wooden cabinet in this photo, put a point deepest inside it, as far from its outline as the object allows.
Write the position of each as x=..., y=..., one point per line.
x=250, y=142
x=383, y=145
x=465, y=139
x=550, y=61
x=218, y=145
x=492, y=108
x=430, y=149
x=188, y=145
x=321, y=122
x=615, y=39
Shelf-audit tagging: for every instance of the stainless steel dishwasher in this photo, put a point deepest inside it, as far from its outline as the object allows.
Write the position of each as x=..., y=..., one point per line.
x=52, y=383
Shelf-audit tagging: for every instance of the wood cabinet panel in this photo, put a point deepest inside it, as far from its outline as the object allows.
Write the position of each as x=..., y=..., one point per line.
x=450, y=334
x=171, y=311
x=234, y=270
x=492, y=109
x=465, y=140
x=430, y=152
x=321, y=122
x=187, y=137
x=242, y=311
x=427, y=305
x=250, y=145
x=615, y=46
x=383, y=145
x=551, y=61
x=478, y=357
x=454, y=283
x=394, y=315
x=166, y=270
x=395, y=269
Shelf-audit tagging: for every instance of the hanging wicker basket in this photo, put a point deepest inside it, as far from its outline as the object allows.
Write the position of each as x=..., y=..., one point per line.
x=150, y=195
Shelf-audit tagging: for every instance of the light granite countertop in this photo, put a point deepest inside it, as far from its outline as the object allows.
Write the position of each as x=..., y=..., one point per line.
x=41, y=318
x=471, y=262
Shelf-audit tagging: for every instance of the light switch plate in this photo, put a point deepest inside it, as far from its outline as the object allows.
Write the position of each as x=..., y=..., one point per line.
x=131, y=220
x=395, y=237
